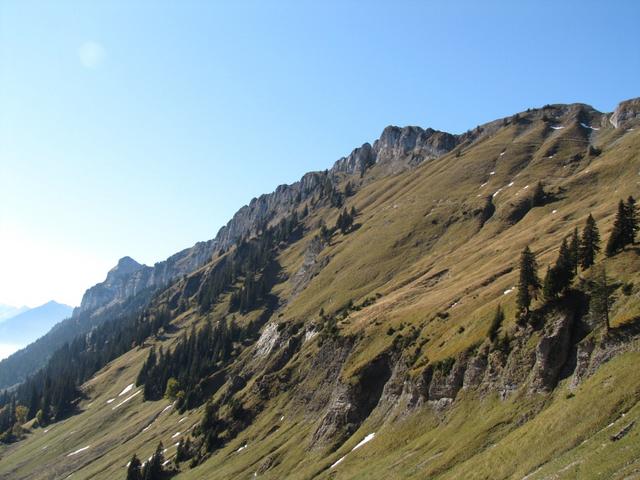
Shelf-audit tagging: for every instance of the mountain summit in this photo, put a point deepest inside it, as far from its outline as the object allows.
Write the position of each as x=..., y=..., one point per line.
x=431, y=306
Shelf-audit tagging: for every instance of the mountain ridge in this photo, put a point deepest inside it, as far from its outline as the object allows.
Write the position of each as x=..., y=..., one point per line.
x=331, y=332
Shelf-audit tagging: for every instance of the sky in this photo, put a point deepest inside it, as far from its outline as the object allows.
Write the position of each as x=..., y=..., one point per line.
x=138, y=128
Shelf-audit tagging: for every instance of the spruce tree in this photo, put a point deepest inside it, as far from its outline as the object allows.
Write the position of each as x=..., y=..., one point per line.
x=589, y=243
x=133, y=471
x=617, y=238
x=574, y=250
x=528, y=284
x=630, y=227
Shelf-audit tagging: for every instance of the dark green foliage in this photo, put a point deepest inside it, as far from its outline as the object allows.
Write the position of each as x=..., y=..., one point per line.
x=631, y=221
x=183, y=451
x=601, y=293
x=574, y=251
x=617, y=238
x=559, y=277
x=496, y=323
x=195, y=357
x=529, y=283
x=625, y=227
x=134, y=471
x=589, y=243
x=345, y=221
x=153, y=469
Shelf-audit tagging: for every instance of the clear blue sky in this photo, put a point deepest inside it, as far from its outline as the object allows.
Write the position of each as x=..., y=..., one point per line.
x=138, y=128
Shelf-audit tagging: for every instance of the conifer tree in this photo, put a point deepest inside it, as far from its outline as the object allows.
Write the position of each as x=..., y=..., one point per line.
x=574, y=250
x=589, y=243
x=617, y=238
x=133, y=471
x=630, y=228
x=529, y=283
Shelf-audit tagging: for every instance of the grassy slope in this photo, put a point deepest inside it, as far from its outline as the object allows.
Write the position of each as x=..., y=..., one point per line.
x=413, y=226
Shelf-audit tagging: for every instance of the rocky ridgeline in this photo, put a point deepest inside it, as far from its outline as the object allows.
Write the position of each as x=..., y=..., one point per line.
x=397, y=149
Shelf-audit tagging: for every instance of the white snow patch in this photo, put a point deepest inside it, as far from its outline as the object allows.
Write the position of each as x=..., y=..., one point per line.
x=483, y=184
x=182, y=419
x=309, y=335
x=502, y=153
x=366, y=439
x=46, y=430
x=510, y=184
x=126, y=390
x=557, y=127
x=126, y=400
x=175, y=435
x=555, y=211
x=110, y=400
x=338, y=462
x=282, y=418
x=79, y=451
x=241, y=448
x=492, y=173
x=164, y=464
x=497, y=192
x=508, y=291
x=166, y=408
x=550, y=156
x=525, y=187
x=588, y=126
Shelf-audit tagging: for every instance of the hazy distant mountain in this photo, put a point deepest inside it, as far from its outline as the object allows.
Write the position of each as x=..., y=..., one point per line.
x=8, y=311
x=25, y=327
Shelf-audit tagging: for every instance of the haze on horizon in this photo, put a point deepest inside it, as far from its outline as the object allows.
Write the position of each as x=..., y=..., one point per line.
x=139, y=129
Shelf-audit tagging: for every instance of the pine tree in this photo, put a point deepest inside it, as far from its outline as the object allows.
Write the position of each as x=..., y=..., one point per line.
x=574, y=250
x=630, y=228
x=617, y=238
x=133, y=471
x=589, y=243
x=601, y=297
x=550, y=287
x=528, y=284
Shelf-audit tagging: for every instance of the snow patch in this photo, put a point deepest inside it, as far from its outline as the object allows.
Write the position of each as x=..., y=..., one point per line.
x=182, y=419
x=310, y=335
x=588, y=126
x=126, y=400
x=557, y=127
x=502, y=153
x=241, y=448
x=555, y=211
x=126, y=390
x=483, y=184
x=525, y=187
x=282, y=418
x=492, y=173
x=110, y=400
x=510, y=184
x=366, y=439
x=508, y=291
x=497, y=192
x=80, y=450
x=175, y=435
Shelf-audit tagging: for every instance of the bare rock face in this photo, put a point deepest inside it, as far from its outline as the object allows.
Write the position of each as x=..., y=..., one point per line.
x=626, y=114
x=400, y=148
x=551, y=353
x=128, y=278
